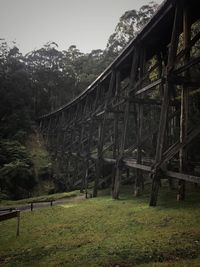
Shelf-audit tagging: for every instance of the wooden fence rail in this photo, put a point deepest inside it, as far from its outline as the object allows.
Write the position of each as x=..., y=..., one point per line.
x=9, y=215
x=42, y=201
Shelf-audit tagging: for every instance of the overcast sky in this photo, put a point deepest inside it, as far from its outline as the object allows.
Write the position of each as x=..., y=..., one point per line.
x=84, y=23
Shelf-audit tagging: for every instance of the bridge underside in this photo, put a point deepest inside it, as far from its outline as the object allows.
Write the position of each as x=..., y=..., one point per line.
x=141, y=118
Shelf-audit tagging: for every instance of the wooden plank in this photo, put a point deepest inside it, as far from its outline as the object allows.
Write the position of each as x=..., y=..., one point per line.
x=184, y=106
x=182, y=176
x=164, y=108
x=9, y=215
x=116, y=118
x=174, y=149
x=100, y=113
x=107, y=147
x=138, y=84
x=153, y=25
x=188, y=65
x=139, y=181
x=149, y=87
x=7, y=209
x=143, y=101
x=86, y=176
x=102, y=134
x=107, y=160
x=133, y=74
x=180, y=80
x=134, y=165
x=188, y=47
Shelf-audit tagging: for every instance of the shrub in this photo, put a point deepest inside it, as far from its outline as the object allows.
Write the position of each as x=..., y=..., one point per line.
x=17, y=176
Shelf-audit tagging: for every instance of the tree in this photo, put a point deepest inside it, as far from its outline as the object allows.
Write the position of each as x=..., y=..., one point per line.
x=15, y=101
x=42, y=81
x=16, y=170
x=130, y=23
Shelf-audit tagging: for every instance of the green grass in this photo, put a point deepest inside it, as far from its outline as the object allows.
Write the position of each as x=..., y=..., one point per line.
x=58, y=196
x=104, y=232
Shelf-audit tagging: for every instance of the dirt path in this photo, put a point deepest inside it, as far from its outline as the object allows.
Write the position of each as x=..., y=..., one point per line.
x=39, y=205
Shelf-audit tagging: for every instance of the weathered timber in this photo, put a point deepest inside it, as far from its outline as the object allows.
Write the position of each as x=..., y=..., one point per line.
x=102, y=134
x=135, y=61
x=165, y=104
x=182, y=176
x=10, y=215
x=149, y=87
x=130, y=163
x=188, y=65
x=188, y=47
x=137, y=109
x=184, y=107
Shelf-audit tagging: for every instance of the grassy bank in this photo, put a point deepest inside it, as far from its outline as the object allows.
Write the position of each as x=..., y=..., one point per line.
x=104, y=232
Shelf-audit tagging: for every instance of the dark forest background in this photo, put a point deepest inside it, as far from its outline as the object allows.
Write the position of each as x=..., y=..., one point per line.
x=39, y=82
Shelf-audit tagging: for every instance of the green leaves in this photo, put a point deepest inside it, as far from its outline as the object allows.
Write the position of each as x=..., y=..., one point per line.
x=129, y=25
x=16, y=169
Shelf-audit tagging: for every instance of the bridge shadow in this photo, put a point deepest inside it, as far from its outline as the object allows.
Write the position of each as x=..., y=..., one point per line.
x=167, y=198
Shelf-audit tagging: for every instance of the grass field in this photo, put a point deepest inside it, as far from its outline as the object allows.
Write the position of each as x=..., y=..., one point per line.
x=106, y=232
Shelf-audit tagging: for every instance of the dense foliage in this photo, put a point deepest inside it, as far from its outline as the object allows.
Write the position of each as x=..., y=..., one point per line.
x=16, y=170
x=41, y=81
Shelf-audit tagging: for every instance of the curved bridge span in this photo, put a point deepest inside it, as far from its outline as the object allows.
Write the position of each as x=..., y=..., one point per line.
x=140, y=118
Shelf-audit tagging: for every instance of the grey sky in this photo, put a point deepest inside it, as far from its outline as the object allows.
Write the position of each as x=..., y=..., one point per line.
x=85, y=23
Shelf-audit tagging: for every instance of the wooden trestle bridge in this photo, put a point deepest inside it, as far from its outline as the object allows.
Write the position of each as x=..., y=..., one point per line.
x=141, y=117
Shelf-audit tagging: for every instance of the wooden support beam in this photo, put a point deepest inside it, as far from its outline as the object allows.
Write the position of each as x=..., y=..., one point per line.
x=184, y=105
x=186, y=49
x=188, y=65
x=165, y=101
x=139, y=183
x=176, y=147
x=132, y=164
x=101, y=137
x=48, y=132
x=133, y=75
x=149, y=87
x=183, y=177
x=116, y=128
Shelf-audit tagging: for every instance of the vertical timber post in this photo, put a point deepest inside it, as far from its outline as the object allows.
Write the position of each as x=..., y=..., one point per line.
x=116, y=129
x=139, y=182
x=133, y=74
x=18, y=222
x=184, y=105
x=102, y=125
x=165, y=102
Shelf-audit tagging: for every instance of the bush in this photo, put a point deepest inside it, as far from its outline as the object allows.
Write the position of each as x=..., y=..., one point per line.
x=17, y=176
